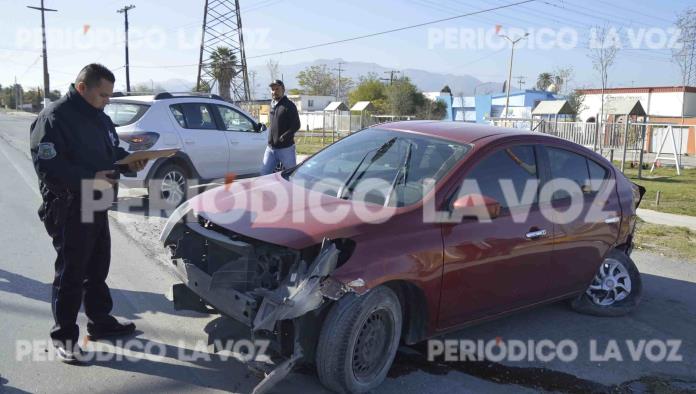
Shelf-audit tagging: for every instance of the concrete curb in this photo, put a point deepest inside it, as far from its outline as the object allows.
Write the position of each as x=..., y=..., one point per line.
x=667, y=219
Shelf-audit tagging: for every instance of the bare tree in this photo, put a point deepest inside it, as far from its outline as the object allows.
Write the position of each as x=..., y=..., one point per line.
x=603, y=50
x=273, y=71
x=252, y=84
x=562, y=77
x=685, y=54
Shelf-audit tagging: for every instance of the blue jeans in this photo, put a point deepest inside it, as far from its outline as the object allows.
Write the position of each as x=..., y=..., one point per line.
x=273, y=156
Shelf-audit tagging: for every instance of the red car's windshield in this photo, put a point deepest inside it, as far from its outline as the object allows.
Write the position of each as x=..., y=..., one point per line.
x=380, y=166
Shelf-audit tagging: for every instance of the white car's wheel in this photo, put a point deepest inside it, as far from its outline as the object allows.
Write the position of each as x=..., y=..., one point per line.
x=170, y=185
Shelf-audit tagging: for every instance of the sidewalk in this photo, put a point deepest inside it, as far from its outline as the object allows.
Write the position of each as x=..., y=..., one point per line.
x=667, y=219
x=12, y=112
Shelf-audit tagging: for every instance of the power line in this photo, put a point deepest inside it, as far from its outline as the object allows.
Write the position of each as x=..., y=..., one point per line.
x=393, y=30
x=361, y=36
x=649, y=17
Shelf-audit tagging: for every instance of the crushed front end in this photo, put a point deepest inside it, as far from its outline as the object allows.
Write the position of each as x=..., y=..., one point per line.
x=278, y=292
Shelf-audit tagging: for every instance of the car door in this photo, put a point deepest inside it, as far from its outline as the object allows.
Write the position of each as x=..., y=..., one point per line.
x=246, y=145
x=494, y=267
x=583, y=233
x=203, y=141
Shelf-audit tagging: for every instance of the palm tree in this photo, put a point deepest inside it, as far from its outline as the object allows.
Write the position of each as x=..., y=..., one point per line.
x=544, y=80
x=223, y=64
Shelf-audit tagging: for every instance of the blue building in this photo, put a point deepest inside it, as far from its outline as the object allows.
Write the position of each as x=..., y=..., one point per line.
x=480, y=108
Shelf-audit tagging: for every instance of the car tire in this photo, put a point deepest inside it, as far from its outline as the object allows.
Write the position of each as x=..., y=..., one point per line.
x=359, y=340
x=170, y=182
x=615, y=290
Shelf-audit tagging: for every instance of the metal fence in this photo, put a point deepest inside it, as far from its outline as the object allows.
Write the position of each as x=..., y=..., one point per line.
x=322, y=127
x=622, y=141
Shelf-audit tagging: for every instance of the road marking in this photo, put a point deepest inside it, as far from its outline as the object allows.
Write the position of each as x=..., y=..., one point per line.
x=30, y=182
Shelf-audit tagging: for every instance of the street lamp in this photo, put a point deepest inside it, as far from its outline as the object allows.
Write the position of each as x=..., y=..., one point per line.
x=509, y=80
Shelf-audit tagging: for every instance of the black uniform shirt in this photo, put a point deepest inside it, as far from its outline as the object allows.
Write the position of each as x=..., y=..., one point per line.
x=70, y=141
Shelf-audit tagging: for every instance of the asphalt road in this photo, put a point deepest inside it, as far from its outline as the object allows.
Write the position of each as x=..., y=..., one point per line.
x=173, y=357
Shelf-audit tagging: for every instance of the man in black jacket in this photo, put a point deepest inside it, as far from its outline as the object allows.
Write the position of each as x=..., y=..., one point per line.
x=74, y=146
x=285, y=122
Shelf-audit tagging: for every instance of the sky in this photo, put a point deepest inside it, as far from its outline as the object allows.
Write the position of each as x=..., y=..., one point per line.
x=165, y=37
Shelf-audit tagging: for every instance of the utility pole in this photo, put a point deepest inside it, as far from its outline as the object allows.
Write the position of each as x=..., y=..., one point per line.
x=124, y=11
x=338, y=90
x=391, y=76
x=16, y=92
x=509, y=80
x=45, y=57
x=520, y=81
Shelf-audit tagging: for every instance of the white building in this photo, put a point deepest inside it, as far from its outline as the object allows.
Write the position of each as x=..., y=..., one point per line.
x=663, y=105
x=658, y=101
x=308, y=103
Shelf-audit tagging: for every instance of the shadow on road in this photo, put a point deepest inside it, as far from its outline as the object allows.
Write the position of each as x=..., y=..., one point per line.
x=9, y=390
x=144, y=301
x=192, y=365
x=668, y=311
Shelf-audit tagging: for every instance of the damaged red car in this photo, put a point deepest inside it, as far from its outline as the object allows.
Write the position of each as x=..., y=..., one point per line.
x=405, y=231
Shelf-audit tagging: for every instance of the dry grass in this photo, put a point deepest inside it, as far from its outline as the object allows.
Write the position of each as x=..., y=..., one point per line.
x=677, y=242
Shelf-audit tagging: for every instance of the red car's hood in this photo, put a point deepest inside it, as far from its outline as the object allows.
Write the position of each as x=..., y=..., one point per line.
x=275, y=210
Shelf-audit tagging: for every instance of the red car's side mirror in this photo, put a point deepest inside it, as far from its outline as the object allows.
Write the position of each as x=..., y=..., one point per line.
x=476, y=205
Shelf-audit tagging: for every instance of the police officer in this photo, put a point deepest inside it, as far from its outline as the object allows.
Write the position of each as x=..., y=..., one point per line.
x=285, y=121
x=74, y=146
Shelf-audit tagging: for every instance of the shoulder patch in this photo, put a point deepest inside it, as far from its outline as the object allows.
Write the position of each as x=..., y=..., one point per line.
x=46, y=151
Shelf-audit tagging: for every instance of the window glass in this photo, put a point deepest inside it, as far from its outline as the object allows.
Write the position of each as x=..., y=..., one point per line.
x=384, y=164
x=195, y=116
x=597, y=175
x=178, y=115
x=123, y=114
x=515, y=164
x=568, y=165
x=234, y=120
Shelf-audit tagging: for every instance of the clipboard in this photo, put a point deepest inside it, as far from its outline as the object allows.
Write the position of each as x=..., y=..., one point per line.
x=147, y=155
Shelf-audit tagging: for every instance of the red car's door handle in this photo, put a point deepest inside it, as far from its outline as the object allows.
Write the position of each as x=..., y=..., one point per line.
x=536, y=234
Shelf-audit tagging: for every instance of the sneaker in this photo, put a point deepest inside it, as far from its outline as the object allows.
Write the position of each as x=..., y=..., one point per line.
x=111, y=328
x=68, y=354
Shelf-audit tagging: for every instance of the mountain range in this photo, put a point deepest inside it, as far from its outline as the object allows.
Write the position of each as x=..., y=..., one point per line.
x=426, y=81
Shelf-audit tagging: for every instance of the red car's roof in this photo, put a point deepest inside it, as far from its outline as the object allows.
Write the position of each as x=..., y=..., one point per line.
x=455, y=131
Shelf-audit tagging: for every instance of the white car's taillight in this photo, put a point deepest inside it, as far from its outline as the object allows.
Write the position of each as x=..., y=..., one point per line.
x=139, y=140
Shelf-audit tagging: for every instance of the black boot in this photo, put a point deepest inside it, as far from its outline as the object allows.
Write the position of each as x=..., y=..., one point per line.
x=109, y=328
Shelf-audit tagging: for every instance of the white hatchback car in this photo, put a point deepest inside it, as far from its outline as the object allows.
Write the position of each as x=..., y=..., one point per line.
x=214, y=136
